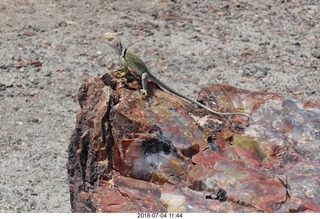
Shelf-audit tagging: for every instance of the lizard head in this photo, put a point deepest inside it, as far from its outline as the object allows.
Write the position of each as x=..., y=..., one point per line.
x=113, y=41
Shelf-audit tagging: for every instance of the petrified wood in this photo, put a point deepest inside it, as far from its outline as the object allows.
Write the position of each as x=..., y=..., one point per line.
x=162, y=154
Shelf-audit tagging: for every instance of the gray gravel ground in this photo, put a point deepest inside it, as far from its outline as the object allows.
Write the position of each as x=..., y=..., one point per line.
x=49, y=47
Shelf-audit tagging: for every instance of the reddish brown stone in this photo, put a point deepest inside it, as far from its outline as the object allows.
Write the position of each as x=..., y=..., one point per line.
x=162, y=154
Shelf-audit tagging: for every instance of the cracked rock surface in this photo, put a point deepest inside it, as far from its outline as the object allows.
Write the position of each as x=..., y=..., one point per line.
x=161, y=154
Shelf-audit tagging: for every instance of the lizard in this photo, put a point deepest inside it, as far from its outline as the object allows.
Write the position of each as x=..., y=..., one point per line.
x=134, y=62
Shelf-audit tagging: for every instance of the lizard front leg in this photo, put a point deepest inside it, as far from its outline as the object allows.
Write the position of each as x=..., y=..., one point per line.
x=124, y=69
x=144, y=82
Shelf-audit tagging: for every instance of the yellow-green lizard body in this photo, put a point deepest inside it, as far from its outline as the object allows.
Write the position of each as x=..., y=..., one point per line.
x=134, y=62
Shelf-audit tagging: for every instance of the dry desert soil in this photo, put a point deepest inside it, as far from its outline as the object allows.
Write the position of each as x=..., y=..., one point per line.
x=48, y=48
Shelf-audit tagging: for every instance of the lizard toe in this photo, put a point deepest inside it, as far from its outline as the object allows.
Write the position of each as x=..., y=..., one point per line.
x=121, y=74
x=143, y=93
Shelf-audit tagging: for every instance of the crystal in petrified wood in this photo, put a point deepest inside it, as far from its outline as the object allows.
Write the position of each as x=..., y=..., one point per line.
x=162, y=154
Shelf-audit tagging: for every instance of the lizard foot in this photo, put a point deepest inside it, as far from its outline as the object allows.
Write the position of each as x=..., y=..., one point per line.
x=143, y=93
x=121, y=74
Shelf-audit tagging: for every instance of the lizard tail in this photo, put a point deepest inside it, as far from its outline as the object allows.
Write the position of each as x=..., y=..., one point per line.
x=194, y=101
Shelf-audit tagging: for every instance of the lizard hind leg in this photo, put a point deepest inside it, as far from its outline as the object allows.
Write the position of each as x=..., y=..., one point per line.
x=144, y=82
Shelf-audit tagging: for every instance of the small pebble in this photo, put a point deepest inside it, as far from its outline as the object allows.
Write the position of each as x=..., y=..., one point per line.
x=310, y=92
x=18, y=84
x=35, y=120
x=316, y=53
x=48, y=73
x=22, y=69
x=3, y=87
x=32, y=204
x=70, y=22
x=297, y=92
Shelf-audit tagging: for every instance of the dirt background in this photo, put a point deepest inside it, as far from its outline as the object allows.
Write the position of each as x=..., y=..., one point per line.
x=49, y=48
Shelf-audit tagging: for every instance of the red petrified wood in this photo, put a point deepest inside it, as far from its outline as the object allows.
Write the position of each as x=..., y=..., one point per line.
x=162, y=154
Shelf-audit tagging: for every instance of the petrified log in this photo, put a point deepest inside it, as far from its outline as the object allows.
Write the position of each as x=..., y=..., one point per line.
x=162, y=154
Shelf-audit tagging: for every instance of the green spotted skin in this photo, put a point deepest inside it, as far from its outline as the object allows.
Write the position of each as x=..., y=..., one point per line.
x=135, y=63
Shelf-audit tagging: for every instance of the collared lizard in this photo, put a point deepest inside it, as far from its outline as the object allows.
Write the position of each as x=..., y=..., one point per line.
x=134, y=62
